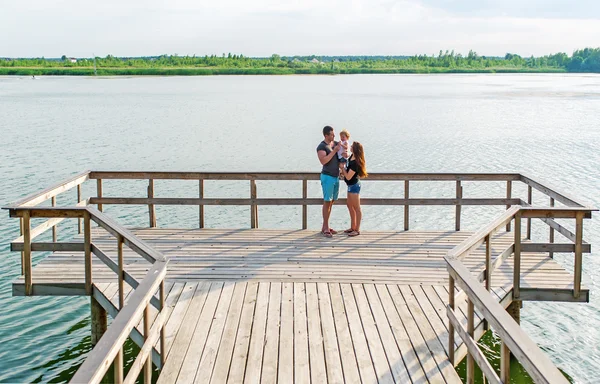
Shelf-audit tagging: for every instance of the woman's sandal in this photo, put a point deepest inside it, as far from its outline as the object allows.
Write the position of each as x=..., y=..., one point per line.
x=333, y=231
x=348, y=230
x=354, y=233
x=326, y=233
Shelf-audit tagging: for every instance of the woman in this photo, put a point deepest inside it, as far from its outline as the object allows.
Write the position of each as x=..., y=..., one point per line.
x=354, y=170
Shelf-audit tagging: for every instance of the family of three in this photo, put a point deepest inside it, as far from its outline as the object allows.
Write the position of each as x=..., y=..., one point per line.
x=341, y=160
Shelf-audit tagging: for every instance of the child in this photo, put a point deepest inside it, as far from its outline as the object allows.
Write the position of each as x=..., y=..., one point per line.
x=343, y=153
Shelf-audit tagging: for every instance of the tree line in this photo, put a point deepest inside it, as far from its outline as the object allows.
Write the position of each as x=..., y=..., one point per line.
x=583, y=60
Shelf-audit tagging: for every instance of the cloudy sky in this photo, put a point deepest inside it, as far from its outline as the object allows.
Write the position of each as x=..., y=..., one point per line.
x=298, y=27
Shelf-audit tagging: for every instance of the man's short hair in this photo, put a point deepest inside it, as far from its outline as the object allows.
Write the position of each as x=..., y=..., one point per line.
x=327, y=130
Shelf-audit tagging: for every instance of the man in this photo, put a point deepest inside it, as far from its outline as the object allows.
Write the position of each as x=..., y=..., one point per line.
x=327, y=153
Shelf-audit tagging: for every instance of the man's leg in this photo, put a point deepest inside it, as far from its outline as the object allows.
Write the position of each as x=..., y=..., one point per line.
x=326, y=213
x=327, y=186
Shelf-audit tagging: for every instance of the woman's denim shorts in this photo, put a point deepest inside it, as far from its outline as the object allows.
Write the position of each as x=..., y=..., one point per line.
x=354, y=188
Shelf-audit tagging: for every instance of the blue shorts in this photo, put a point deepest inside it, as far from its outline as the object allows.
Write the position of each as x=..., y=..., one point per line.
x=355, y=188
x=331, y=187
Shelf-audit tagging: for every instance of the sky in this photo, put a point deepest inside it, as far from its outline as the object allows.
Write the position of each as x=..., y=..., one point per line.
x=260, y=28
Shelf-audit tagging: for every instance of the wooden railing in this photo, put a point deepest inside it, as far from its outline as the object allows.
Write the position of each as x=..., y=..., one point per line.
x=254, y=201
x=109, y=349
x=478, y=296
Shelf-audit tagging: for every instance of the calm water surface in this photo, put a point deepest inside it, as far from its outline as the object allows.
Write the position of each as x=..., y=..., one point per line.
x=52, y=127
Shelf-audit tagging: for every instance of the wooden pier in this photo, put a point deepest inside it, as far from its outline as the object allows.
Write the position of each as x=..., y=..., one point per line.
x=288, y=305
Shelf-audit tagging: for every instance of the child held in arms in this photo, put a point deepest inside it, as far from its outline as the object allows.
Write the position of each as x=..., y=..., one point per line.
x=344, y=151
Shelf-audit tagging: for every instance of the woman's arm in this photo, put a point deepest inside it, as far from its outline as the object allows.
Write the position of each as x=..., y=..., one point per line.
x=347, y=174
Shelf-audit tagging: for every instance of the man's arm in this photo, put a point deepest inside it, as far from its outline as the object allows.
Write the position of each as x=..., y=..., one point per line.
x=324, y=158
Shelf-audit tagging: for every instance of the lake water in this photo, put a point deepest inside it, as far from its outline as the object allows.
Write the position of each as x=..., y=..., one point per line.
x=52, y=127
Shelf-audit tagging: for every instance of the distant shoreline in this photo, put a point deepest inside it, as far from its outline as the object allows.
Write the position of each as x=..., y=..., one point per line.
x=57, y=71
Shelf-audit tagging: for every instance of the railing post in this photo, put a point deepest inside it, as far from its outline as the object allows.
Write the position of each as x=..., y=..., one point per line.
x=27, y=252
x=78, y=201
x=578, y=253
x=488, y=270
x=304, y=206
x=148, y=365
x=406, y=206
x=530, y=202
x=54, y=227
x=22, y=254
x=504, y=363
x=151, y=211
x=99, y=192
x=121, y=274
x=508, y=196
x=517, y=258
x=450, y=325
x=253, y=218
x=118, y=366
x=201, y=207
x=87, y=234
x=550, y=253
x=163, y=341
x=471, y=332
x=458, y=204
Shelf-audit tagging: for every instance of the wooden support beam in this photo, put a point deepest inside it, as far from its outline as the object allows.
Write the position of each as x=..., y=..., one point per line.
x=406, y=207
x=163, y=340
x=451, y=297
x=99, y=192
x=87, y=235
x=551, y=236
x=121, y=272
x=508, y=197
x=517, y=257
x=148, y=365
x=118, y=366
x=504, y=363
x=578, y=254
x=78, y=201
x=459, y=195
x=151, y=210
x=253, y=223
x=304, y=206
x=54, y=227
x=99, y=320
x=201, y=206
x=530, y=202
x=471, y=332
x=27, y=252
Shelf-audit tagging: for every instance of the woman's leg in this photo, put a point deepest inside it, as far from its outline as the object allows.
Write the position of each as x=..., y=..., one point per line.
x=351, y=210
x=357, y=213
x=353, y=202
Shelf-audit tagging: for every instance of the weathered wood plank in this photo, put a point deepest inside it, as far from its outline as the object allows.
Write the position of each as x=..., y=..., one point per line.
x=240, y=352
x=225, y=352
x=347, y=351
x=270, y=361
x=330, y=342
x=285, y=364
x=214, y=336
x=301, y=351
x=201, y=328
x=361, y=347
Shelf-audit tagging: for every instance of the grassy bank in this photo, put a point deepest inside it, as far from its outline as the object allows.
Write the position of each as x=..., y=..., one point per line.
x=85, y=71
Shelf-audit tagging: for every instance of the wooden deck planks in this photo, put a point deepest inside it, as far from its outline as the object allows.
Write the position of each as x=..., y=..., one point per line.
x=291, y=306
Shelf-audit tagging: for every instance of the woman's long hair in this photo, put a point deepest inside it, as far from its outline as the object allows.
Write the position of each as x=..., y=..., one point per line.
x=359, y=156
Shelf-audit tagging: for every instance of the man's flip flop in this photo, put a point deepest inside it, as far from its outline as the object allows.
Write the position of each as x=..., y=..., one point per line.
x=326, y=233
